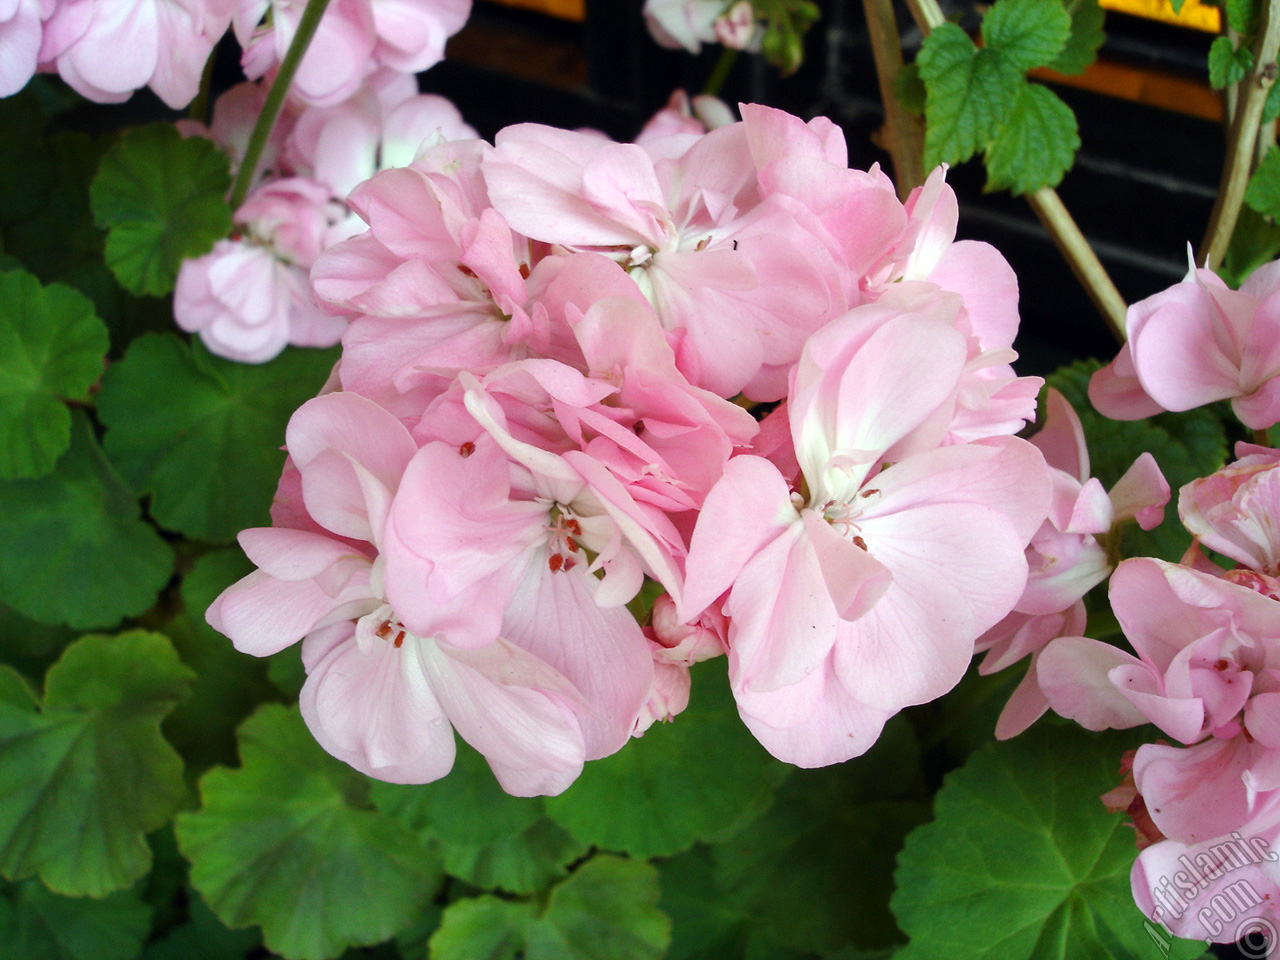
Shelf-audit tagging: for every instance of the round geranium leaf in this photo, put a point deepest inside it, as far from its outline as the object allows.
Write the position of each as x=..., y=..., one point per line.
x=203, y=435
x=289, y=841
x=86, y=774
x=39, y=925
x=1023, y=859
x=161, y=198
x=693, y=779
x=53, y=345
x=76, y=548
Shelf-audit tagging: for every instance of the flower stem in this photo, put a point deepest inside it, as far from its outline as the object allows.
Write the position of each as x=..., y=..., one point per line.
x=198, y=110
x=904, y=132
x=1066, y=235
x=275, y=100
x=720, y=73
x=1243, y=138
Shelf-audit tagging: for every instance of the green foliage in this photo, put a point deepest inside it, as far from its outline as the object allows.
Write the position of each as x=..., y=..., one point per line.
x=160, y=198
x=290, y=842
x=1263, y=192
x=85, y=774
x=1185, y=445
x=36, y=924
x=53, y=345
x=77, y=551
x=1228, y=64
x=785, y=24
x=977, y=98
x=1023, y=860
x=910, y=89
x=513, y=847
x=695, y=779
x=1086, y=37
x=1036, y=145
x=203, y=937
x=202, y=435
x=1241, y=14
x=607, y=910
x=828, y=842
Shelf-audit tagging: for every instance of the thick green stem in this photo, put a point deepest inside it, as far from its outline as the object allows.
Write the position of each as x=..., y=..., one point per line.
x=904, y=132
x=1062, y=228
x=275, y=100
x=1243, y=138
x=720, y=73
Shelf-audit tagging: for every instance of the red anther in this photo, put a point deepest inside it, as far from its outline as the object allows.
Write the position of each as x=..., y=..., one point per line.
x=555, y=562
x=467, y=449
x=702, y=244
x=859, y=542
x=384, y=631
x=570, y=563
x=870, y=493
x=524, y=271
x=399, y=639
x=1222, y=665
x=574, y=526
x=466, y=271
x=572, y=545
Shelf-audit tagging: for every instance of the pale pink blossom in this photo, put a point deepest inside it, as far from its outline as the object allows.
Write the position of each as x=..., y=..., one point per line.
x=354, y=39
x=1065, y=558
x=686, y=117
x=106, y=49
x=1195, y=343
x=250, y=296
x=1234, y=510
x=686, y=24
x=537, y=697
x=736, y=279
x=836, y=598
x=21, y=34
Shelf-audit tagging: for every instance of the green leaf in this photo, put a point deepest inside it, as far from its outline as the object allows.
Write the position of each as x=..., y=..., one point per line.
x=1086, y=37
x=36, y=924
x=446, y=809
x=1240, y=14
x=53, y=345
x=1271, y=106
x=161, y=198
x=829, y=841
x=482, y=928
x=231, y=684
x=1228, y=64
x=526, y=863
x=86, y=775
x=969, y=93
x=1255, y=241
x=1036, y=145
x=203, y=938
x=608, y=910
x=1263, y=192
x=694, y=779
x=1023, y=860
x=1026, y=33
x=76, y=550
x=513, y=847
x=1185, y=445
x=202, y=435
x=910, y=89
x=288, y=841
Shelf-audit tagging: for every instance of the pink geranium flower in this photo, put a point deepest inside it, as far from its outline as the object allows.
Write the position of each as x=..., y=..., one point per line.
x=167, y=44
x=865, y=592
x=1065, y=559
x=536, y=695
x=1195, y=343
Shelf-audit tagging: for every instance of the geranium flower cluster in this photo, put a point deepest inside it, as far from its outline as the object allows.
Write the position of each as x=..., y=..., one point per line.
x=168, y=42
x=251, y=296
x=1207, y=671
x=534, y=413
